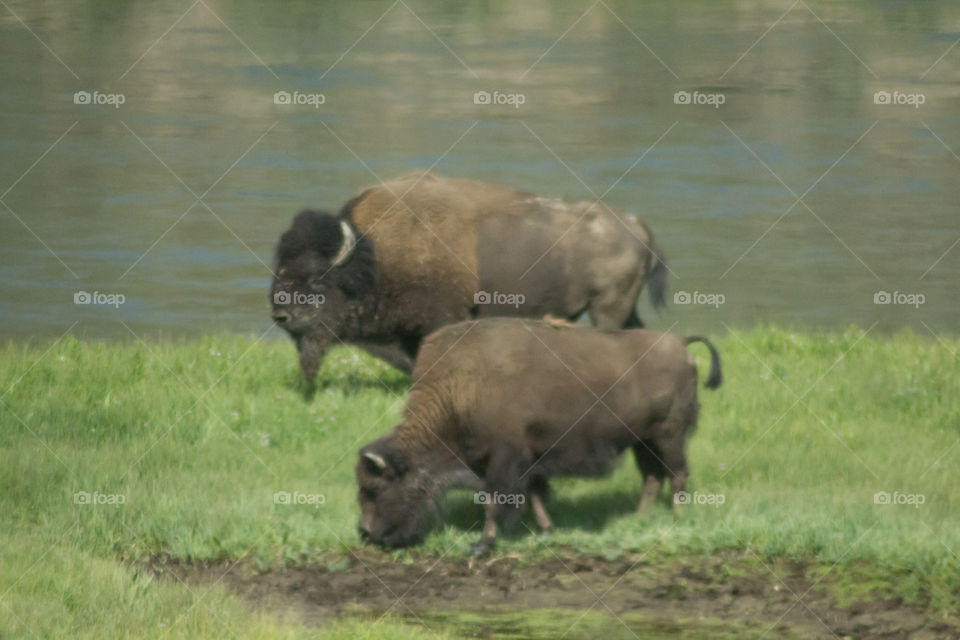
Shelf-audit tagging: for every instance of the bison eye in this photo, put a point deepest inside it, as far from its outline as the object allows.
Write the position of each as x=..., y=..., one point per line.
x=369, y=494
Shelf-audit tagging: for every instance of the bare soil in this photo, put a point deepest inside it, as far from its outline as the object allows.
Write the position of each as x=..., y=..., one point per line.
x=731, y=589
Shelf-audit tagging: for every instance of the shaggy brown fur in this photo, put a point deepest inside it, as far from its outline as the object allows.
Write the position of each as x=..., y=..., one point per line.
x=504, y=404
x=433, y=251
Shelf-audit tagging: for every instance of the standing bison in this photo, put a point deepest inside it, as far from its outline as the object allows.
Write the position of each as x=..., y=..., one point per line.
x=503, y=404
x=420, y=252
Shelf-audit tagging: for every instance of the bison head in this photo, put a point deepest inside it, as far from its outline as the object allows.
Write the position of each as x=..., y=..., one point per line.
x=324, y=275
x=395, y=504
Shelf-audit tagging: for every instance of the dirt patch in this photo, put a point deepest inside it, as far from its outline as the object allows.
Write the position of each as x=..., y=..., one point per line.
x=728, y=588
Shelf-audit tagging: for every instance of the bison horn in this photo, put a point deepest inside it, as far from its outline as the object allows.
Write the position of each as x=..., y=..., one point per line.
x=376, y=459
x=349, y=242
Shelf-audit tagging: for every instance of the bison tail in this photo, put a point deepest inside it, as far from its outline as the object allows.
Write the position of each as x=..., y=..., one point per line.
x=658, y=278
x=715, y=377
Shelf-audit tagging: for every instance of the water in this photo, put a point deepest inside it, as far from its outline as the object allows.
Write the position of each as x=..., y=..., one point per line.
x=601, y=622
x=112, y=207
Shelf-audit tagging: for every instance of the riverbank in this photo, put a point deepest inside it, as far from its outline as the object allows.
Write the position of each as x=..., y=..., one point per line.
x=828, y=460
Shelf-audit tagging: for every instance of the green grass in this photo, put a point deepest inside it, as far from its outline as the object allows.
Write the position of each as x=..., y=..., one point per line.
x=198, y=437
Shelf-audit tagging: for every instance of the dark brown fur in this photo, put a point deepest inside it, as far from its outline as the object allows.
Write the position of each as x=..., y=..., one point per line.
x=427, y=246
x=502, y=405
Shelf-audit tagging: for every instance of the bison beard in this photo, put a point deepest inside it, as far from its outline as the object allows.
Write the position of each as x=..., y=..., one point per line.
x=501, y=405
x=311, y=350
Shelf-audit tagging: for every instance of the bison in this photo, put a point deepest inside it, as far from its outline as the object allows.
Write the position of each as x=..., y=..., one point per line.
x=501, y=405
x=409, y=256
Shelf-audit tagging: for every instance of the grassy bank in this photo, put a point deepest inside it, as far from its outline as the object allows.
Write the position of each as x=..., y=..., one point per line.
x=114, y=453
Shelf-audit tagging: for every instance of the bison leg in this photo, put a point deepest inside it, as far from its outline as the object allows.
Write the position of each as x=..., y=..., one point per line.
x=675, y=461
x=680, y=422
x=539, y=492
x=488, y=540
x=650, y=465
x=393, y=354
x=505, y=493
x=615, y=307
x=633, y=320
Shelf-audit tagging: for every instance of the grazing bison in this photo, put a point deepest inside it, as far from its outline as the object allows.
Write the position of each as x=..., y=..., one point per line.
x=412, y=255
x=501, y=405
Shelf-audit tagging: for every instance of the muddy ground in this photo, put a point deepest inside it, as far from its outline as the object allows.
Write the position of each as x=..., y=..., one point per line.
x=731, y=591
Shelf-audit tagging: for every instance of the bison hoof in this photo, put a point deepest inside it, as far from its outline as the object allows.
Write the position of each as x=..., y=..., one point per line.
x=483, y=548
